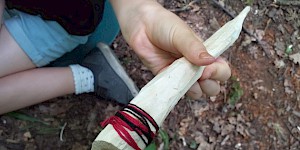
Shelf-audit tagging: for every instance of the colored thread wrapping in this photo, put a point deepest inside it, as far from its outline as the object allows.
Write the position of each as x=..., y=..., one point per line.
x=139, y=123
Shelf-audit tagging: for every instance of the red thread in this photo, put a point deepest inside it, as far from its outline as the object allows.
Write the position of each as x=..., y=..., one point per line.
x=120, y=125
x=152, y=121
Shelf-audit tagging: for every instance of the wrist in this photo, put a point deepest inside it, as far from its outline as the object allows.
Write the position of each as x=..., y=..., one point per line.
x=131, y=8
x=132, y=13
x=120, y=6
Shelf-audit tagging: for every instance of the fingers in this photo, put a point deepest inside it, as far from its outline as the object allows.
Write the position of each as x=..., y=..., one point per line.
x=195, y=91
x=208, y=83
x=219, y=70
x=190, y=46
x=210, y=87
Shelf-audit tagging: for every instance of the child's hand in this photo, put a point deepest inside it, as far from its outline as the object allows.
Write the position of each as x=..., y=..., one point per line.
x=159, y=37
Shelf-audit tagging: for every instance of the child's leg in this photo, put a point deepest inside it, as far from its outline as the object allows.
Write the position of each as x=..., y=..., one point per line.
x=25, y=43
x=21, y=86
x=34, y=86
x=18, y=90
x=12, y=57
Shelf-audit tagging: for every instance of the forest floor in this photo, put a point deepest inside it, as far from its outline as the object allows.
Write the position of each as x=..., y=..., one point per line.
x=258, y=107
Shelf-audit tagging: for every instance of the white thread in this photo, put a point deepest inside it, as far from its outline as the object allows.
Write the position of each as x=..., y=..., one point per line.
x=83, y=79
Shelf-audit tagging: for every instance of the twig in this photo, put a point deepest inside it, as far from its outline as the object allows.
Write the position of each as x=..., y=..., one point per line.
x=184, y=8
x=62, y=132
x=261, y=43
x=225, y=93
x=288, y=2
x=290, y=131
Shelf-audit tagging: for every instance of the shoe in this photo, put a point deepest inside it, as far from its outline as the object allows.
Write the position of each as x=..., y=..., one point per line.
x=111, y=80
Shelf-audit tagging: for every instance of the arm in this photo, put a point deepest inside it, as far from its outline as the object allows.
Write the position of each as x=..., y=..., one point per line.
x=159, y=37
x=164, y=31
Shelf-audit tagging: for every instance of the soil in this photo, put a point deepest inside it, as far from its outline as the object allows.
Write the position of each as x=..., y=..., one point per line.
x=258, y=108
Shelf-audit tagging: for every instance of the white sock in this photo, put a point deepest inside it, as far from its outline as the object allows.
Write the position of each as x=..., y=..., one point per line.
x=83, y=79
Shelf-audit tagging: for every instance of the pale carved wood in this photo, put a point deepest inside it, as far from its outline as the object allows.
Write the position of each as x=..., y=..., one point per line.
x=163, y=92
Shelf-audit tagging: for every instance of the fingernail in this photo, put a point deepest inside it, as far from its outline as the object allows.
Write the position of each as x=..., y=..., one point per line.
x=205, y=55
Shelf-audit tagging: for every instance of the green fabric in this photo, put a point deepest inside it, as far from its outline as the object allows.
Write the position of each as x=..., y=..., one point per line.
x=106, y=32
x=6, y=15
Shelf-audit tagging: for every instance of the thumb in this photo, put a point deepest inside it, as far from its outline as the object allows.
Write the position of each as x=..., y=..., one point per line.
x=191, y=47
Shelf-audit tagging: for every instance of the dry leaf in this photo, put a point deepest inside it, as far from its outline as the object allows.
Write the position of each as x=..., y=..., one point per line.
x=279, y=63
x=295, y=58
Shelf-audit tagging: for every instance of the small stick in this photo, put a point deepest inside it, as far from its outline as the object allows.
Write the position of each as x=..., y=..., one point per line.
x=184, y=8
x=164, y=91
x=62, y=132
x=288, y=2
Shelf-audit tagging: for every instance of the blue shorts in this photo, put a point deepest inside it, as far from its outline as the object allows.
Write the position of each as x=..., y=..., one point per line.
x=45, y=41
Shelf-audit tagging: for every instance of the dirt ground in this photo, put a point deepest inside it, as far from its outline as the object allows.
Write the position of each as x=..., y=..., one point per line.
x=258, y=108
